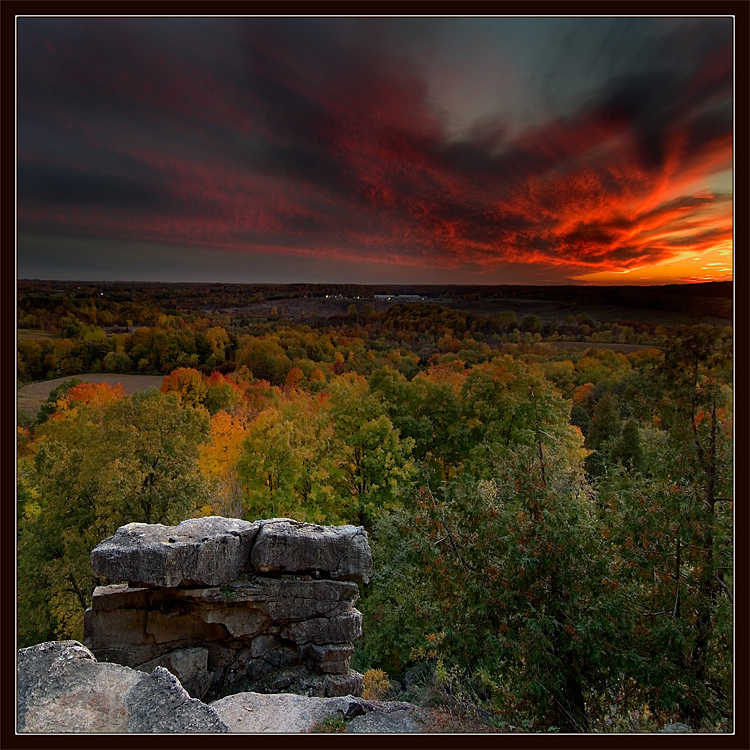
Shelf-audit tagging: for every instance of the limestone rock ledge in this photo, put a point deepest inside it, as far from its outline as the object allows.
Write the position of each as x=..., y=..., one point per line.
x=230, y=606
x=62, y=689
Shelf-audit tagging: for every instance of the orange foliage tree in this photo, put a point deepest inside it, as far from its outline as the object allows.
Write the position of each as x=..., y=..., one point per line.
x=102, y=394
x=188, y=383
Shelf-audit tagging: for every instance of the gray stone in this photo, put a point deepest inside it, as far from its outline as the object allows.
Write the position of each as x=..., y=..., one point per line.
x=263, y=644
x=351, y=683
x=119, y=626
x=343, y=552
x=377, y=722
x=182, y=629
x=121, y=596
x=290, y=629
x=322, y=630
x=678, y=727
x=279, y=712
x=285, y=712
x=188, y=665
x=161, y=704
x=62, y=688
x=331, y=659
x=280, y=598
x=204, y=551
x=240, y=622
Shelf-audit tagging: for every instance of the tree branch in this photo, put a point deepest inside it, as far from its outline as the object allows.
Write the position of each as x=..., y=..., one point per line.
x=77, y=591
x=726, y=588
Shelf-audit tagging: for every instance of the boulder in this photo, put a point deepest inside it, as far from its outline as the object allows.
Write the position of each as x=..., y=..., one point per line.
x=276, y=712
x=204, y=551
x=341, y=552
x=62, y=688
x=399, y=721
x=188, y=665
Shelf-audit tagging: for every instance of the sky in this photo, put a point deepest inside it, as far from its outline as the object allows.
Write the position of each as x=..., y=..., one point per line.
x=462, y=150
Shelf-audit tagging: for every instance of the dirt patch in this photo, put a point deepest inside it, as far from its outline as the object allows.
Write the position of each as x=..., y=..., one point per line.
x=30, y=333
x=31, y=396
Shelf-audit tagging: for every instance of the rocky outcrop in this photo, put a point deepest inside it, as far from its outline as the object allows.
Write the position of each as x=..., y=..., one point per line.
x=229, y=606
x=62, y=688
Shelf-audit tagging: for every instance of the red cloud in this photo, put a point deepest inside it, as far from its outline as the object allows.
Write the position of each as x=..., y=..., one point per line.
x=254, y=146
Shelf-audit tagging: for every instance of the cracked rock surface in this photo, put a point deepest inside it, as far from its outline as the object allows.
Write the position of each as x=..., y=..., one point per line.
x=62, y=688
x=287, y=713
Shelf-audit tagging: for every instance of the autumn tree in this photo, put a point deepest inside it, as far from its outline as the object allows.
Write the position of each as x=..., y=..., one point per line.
x=187, y=383
x=54, y=399
x=293, y=378
x=218, y=460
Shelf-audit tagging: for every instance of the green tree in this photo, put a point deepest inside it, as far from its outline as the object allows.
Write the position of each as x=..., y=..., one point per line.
x=504, y=573
x=287, y=464
x=374, y=462
x=95, y=467
x=627, y=448
x=672, y=532
x=605, y=421
x=506, y=403
x=697, y=419
x=117, y=361
x=427, y=410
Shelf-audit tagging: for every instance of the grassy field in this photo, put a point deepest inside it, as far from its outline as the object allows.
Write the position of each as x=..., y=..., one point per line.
x=31, y=396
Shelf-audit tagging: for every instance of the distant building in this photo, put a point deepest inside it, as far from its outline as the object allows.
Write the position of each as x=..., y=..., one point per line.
x=400, y=297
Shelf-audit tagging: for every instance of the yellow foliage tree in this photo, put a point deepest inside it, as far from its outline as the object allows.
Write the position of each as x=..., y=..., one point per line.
x=218, y=460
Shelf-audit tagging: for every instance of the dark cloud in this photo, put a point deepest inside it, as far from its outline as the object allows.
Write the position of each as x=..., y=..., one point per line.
x=44, y=184
x=299, y=136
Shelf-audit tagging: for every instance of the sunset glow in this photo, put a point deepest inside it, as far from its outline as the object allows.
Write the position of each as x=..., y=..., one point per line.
x=369, y=150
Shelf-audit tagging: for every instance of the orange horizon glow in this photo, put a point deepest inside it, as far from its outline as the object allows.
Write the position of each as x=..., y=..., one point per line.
x=307, y=154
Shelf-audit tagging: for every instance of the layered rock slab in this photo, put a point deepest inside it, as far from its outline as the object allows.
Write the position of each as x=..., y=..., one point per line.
x=206, y=551
x=343, y=552
x=213, y=551
x=62, y=688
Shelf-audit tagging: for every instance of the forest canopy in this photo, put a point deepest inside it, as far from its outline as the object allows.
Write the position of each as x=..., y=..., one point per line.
x=546, y=482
